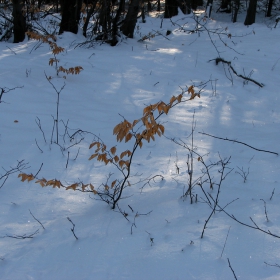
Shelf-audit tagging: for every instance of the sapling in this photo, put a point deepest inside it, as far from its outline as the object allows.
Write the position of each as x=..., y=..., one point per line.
x=140, y=130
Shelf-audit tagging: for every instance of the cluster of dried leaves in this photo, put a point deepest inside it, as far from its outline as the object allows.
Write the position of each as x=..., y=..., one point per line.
x=51, y=40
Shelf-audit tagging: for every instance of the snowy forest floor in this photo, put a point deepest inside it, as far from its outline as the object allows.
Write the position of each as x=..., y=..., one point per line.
x=160, y=238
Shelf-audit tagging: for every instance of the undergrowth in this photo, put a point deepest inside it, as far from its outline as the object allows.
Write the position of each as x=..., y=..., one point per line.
x=143, y=129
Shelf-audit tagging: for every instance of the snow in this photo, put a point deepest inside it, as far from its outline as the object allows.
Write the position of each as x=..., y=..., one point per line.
x=165, y=242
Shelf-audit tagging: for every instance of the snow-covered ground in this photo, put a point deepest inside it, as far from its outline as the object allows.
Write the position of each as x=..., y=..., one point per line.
x=118, y=82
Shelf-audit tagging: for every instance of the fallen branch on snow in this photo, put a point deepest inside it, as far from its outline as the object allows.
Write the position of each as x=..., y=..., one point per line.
x=260, y=150
x=219, y=59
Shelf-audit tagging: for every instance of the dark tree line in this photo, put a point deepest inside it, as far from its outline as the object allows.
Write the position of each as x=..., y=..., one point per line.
x=108, y=18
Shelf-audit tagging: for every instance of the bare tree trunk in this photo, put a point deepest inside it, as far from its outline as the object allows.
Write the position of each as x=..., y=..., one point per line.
x=236, y=9
x=269, y=8
x=105, y=19
x=131, y=18
x=158, y=5
x=209, y=6
x=19, y=21
x=115, y=23
x=70, y=15
x=171, y=8
x=251, y=12
x=89, y=14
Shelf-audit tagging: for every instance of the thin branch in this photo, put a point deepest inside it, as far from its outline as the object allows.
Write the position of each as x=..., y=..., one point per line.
x=219, y=59
x=67, y=159
x=276, y=265
x=247, y=225
x=38, y=146
x=38, y=122
x=231, y=269
x=36, y=219
x=20, y=166
x=6, y=90
x=235, y=141
x=39, y=170
x=265, y=211
x=272, y=194
x=225, y=243
x=73, y=228
x=21, y=236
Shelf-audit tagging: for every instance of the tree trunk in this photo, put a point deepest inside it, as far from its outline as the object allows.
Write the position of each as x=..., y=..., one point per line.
x=104, y=18
x=188, y=6
x=236, y=9
x=209, y=6
x=158, y=5
x=269, y=8
x=171, y=8
x=131, y=18
x=194, y=4
x=115, y=23
x=251, y=12
x=89, y=14
x=70, y=15
x=19, y=21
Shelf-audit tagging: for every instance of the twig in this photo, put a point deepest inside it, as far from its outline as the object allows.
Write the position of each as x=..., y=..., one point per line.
x=72, y=229
x=243, y=174
x=38, y=146
x=22, y=236
x=11, y=50
x=226, y=139
x=268, y=232
x=272, y=194
x=58, y=91
x=219, y=59
x=229, y=203
x=231, y=269
x=149, y=180
x=276, y=265
x=20, y=166
x=6, y=90
x=36, y=220
x=77, y=154
x=275, y=64
x=133, y=224
x=224, y=164
x=67, y=159
x=38, y=122
x=39, y=170
x=265, y=210
x=130, y=208
x=225, y=243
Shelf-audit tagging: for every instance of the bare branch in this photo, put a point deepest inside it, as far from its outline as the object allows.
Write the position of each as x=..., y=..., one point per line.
x=235, y=141
x=36, y=219
x=231, y=269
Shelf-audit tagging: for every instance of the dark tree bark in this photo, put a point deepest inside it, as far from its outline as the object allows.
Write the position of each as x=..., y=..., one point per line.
x=104, y=18
x=209, y=6
x=189, y=6
x=251, y=12
x=195, y=4
x=158, y=5
x=19, y=21
x=236, y=9
x=131, y=18
x=269, y=8
x=89, y=14
x=149, y=5
x=225, y=6
x=171, y=8
x=70, y=15
x=115, y=23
